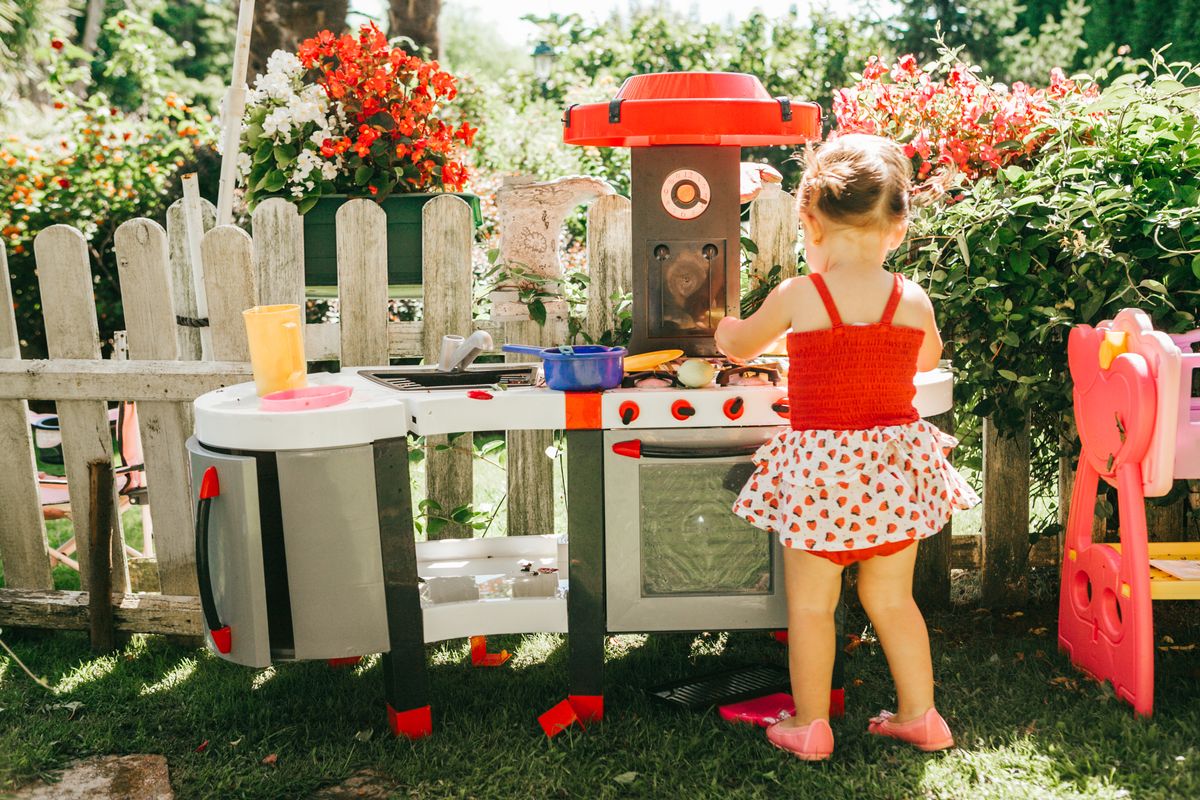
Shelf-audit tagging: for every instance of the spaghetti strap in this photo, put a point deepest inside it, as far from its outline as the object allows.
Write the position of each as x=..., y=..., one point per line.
x=827, y=299
x=889, y=310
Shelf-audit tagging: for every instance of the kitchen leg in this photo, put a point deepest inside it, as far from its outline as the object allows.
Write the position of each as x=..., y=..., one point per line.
x=405, y=683
x=585, y=600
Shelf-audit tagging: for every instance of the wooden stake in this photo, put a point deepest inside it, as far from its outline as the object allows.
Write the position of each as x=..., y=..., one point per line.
x=100, y=510
x=231, y=114
x=193, y=224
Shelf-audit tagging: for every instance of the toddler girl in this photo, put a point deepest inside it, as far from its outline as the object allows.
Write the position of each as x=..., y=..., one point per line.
x=859, y=477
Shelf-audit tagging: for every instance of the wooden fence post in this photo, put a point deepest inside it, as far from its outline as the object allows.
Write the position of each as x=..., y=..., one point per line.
x=146, y=296
x=22, y=531
x=774, y=225
x=278, y=252
x=447, y=233
x=231, y=283
x=362, y=283
x=99, y=568
x=69, y=311
x=610, y=261
x=931, y=577
x=1005, y=516
x=182, y=289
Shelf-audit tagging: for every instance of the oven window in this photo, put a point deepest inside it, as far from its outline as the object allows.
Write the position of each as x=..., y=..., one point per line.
x=692, y=544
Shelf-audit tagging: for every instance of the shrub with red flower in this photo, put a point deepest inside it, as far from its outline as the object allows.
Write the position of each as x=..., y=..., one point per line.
x=946, y=117
x=351, y=114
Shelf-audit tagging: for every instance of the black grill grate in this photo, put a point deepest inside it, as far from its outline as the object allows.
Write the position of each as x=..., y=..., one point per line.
x=719, y=688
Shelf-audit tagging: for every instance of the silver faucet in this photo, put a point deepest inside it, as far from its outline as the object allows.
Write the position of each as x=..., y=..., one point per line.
x=459, y=353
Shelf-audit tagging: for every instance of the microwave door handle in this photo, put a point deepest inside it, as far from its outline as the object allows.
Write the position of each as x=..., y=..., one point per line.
x=637, y=449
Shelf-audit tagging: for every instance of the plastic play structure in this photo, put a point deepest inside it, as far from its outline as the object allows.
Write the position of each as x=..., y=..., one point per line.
x=1139, y=430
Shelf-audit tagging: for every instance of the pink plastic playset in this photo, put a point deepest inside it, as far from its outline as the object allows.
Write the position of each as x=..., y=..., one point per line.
x=1139, y=428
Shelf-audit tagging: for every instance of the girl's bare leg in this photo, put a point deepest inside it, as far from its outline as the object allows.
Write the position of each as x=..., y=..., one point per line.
x=813, y=586
x=885, y=590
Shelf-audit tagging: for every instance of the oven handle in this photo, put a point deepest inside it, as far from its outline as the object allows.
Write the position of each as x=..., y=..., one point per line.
x=635, y=448
x=210, y=488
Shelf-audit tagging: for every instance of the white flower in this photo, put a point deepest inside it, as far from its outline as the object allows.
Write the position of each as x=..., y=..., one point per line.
x=279, y=121
x=329, y=170
x=243, y=163
x=284, y=62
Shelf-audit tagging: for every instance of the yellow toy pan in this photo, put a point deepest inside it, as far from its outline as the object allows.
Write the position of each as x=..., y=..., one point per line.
x=645, y=362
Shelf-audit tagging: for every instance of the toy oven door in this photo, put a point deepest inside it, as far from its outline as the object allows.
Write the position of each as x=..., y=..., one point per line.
x=676, y=557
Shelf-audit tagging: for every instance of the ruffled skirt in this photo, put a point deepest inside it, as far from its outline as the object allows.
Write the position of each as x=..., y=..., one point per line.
x=835, y=490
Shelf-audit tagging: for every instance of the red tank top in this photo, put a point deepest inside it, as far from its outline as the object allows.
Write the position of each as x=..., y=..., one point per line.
x=853, y=376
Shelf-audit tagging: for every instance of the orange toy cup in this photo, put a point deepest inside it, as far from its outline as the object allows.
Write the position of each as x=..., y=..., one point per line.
x=276, y=337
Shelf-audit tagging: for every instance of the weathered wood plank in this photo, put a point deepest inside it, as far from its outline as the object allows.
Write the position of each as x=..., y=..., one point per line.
x=610, y=261
x=79, y=379
x=967, y=552
x=69, y=311
x=133, y=613
x=362, y=282
x=447, y=234
x=1005, y=516
x=530, y=473
x=99, y=567
x=278, y=252
x=773, y=227
x=22, y=531
x=141, y=247
x=931, y=577
x=231, y=283
x=322, y=340
x=183, y=289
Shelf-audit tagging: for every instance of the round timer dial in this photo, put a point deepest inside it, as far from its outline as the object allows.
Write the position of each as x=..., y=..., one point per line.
x=685, y=194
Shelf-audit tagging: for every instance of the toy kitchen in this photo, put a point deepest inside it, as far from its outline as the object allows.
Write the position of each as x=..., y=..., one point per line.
x=304, y=526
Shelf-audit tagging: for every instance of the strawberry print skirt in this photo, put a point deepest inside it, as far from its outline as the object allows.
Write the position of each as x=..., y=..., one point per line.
x=838, y=490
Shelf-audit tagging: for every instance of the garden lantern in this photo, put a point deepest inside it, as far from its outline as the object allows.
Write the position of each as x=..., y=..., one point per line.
x=686, y=131
x=543, y=61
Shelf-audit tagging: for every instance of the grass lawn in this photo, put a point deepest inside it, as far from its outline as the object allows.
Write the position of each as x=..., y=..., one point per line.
x=1027, y=724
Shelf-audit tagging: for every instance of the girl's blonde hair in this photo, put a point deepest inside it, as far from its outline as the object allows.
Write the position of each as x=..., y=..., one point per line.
x=857, y=179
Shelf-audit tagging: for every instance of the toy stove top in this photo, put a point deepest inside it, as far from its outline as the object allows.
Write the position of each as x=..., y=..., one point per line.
x=740, y=395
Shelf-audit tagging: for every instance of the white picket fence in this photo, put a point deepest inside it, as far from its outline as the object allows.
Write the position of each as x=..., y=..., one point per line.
x=163, y=376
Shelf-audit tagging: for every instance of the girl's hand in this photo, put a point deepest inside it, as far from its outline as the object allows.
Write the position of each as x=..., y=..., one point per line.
x=754, y=175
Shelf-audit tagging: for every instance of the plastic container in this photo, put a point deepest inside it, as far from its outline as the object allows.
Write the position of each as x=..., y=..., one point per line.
x=586, y=368
x=305, y=398
x=276, y=338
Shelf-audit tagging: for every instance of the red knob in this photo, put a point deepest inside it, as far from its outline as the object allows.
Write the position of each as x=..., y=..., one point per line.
x=628, y=411
x=734, y=407
x=682, y=409
x=781, y=408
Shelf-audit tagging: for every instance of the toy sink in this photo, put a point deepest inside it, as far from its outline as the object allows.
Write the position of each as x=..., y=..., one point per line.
x=477, y=376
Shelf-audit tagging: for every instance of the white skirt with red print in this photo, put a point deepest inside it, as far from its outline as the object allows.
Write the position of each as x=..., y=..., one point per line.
x=831, y=490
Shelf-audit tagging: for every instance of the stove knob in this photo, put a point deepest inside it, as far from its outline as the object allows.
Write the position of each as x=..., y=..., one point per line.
x=734, y=407
x=628, y=411
x=781, y=408
x=681, y=410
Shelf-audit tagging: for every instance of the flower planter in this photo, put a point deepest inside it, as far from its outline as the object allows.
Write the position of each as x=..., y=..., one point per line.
x=404, y=244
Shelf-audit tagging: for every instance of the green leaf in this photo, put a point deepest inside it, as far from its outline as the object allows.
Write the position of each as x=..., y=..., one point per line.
x=434, y=525
x=749, y=245
x=1153, y=285
x=537, y=311
x=273, y=181
x=284, y=154
x=307, y=204
x=1007, y=374
x=362, y=175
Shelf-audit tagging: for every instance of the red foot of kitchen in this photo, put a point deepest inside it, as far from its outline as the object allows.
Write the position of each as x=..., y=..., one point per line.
x=660, y=440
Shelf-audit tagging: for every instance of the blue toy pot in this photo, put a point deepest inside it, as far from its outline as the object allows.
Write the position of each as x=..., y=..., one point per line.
x=586, y=368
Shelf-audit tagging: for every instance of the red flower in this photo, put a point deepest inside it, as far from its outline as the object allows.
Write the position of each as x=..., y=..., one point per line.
x=63, y=182
x=57, y=44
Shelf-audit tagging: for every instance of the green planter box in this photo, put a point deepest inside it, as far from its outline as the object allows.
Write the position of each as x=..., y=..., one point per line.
x=403, y=237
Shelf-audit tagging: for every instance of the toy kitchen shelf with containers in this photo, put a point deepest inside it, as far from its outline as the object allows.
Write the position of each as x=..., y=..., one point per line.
x=305, y=542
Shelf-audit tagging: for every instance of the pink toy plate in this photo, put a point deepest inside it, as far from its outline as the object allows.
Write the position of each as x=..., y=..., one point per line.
x=761, y=711
x=306, y=398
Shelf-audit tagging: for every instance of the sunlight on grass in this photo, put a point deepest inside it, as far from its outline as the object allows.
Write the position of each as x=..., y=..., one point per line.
x=535, y=648
x=86, y=672
x=173, y=677
x=368, y=661
x=1021, y=769
x=708, y=644
x=450, y=652
x=260, y=679
x=620, y=646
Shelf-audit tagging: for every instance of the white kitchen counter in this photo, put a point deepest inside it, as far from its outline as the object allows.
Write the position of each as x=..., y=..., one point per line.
x=232, y=417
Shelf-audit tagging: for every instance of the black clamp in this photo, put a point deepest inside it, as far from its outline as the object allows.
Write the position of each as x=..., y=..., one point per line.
x=614, y=110
x=191, y=322
x=785, y=108
x=566, y=120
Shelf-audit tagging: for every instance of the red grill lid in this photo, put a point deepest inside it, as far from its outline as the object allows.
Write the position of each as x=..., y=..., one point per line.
x=706, y=108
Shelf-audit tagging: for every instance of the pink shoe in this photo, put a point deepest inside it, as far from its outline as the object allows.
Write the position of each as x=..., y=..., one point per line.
x=813, y=742
x=929, y=732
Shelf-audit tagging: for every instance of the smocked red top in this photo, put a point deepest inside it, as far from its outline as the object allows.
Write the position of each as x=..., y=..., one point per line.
x=853, y=376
